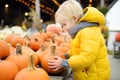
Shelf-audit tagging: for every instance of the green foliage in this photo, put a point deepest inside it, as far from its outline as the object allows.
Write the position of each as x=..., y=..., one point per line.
x=110, y=52
x=104, y=10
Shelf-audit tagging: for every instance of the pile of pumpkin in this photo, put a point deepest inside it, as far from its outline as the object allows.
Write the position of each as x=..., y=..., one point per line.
x=27, y=58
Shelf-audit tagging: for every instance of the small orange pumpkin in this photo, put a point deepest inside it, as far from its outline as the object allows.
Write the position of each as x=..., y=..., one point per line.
x=17, y=39
x=42, y=52
x=41, y=35
x=35, y=43
x=27, y=51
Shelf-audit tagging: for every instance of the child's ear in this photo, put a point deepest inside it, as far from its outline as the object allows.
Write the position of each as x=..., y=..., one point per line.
x=75, y=18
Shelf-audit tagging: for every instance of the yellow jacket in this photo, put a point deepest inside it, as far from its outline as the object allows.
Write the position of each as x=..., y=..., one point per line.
x=88, y=53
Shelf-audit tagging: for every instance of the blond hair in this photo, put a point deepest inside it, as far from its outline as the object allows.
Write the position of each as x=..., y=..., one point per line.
x=69, y=9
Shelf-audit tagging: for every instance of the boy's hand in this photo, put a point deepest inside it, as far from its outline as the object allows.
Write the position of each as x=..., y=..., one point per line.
x=55, y=64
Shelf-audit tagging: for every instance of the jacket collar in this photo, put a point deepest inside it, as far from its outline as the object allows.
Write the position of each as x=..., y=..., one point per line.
x=73, y=31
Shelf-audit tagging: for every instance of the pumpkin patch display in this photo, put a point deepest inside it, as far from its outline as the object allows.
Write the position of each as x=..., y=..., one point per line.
x=8, y=70
x=32, y=72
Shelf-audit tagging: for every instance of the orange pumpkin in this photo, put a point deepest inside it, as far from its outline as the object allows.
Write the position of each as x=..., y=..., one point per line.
x=49, y=34
x=32, y=73
x=17, y=39
x=42, y=52
x=4, y=49
x=46, y=58
x=12, y=50
x=35, y=43
x=18, y=59
x=62, y=49
x=54, y=28
x=8, y=70
x=41, y=35
x=117, y=37
x=27, y=51
x=58, y=40
x=9, y=37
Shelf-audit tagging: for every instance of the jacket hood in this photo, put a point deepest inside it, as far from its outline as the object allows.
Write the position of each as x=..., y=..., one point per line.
x=92, y=14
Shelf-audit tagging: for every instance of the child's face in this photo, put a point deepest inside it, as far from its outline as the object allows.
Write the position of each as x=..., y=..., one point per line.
x=66, y=24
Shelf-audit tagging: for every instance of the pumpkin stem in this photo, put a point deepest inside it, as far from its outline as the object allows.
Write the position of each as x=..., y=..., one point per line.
x=53, y=48
x=43, y=47
x=31, y=65
x=53, y=39
x=18, y=49
x=28, y=40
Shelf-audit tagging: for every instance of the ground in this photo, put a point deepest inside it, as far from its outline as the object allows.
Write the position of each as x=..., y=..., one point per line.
x=115, y=67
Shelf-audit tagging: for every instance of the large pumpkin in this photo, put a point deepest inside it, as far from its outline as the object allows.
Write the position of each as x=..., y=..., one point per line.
x=32, y=72
x=46, y=58
x=117, y=37
x=8, y=70
x=4, y=49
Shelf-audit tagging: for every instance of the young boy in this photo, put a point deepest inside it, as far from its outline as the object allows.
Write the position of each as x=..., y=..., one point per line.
x=87, y=56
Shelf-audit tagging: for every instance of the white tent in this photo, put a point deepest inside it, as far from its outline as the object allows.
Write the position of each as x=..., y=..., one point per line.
x=113, y=23
x=113, y=17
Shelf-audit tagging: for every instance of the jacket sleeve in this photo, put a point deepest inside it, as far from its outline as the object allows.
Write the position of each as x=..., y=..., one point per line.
x=67, y=54
x=89, y=46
